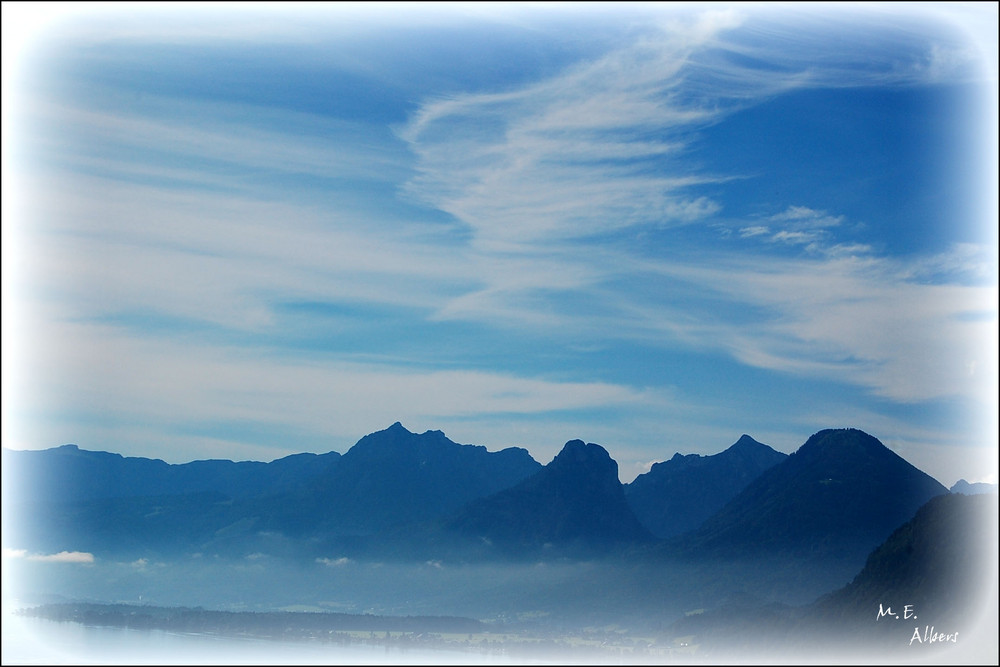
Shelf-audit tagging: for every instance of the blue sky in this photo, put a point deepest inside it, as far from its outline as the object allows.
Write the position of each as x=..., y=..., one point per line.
x=245, y=231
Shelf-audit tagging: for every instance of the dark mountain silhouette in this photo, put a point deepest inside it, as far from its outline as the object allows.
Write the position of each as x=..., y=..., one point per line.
x=839, y=495
x=965, y=488
x=71, y=474
x=934, y=562
x=401, y=494
x=937, y=573
x=107, y=503
x=928, y=593
x=574, y=504
x=678, y=495
x=67, y=498
x=394, y=477
x=405, y=526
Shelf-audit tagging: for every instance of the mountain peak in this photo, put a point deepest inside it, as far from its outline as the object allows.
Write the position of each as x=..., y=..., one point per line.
x=841, y=440
x=397, y=441
x=841, y=493
x=679, y=494
x=963, y=487
x=588, y=459
x=579, y=451
x=745, y=441
x=575, y=502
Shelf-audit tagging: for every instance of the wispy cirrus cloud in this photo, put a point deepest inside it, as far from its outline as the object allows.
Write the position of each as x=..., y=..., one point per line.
x=334, y=562
x=754, y=230
x=575, y=156
x=800, y=225
x=804, y=217
x=862, y=319
x=564, y=160
x=602, y=147
x=177, y=385
x=74, y=557
x=200, y=144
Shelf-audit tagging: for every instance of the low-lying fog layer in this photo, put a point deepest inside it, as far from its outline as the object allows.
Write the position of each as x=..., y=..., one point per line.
x=43, y=642
x=589, y=591
x=558, y=602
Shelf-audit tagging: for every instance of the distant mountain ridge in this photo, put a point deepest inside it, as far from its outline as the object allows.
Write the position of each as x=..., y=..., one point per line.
x=965, y=488
x=405, y=518
x=575, y=502
x=394, y=477
x=839, y=495
x=68, y=473
x=75, y=499
x=678, y=495
x=400, y=494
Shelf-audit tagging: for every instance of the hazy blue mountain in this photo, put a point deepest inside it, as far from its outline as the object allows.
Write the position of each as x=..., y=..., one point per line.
x=71, y=474
x=393, y=477
x=416, y=519
x=78, y=500
x=678, y=495
x=67, y=498
x=965, y=488
x=575, y=503
x=839, y=495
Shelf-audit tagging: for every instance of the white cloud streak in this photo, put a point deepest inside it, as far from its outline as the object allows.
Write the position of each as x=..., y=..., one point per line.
x=238, y=135
x=76, y=557
x=862, y=320
x=562, y=160
x=570, y=157
x=334, y=562
x=93, y=369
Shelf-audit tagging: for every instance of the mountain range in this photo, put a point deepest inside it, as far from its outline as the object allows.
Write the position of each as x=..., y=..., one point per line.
x=967, y=489
x=574, y=503
x=738, y=545
x=404, y=494
x=391, y=478
x=678, y=495
x=838, y=496
x=70, y=474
